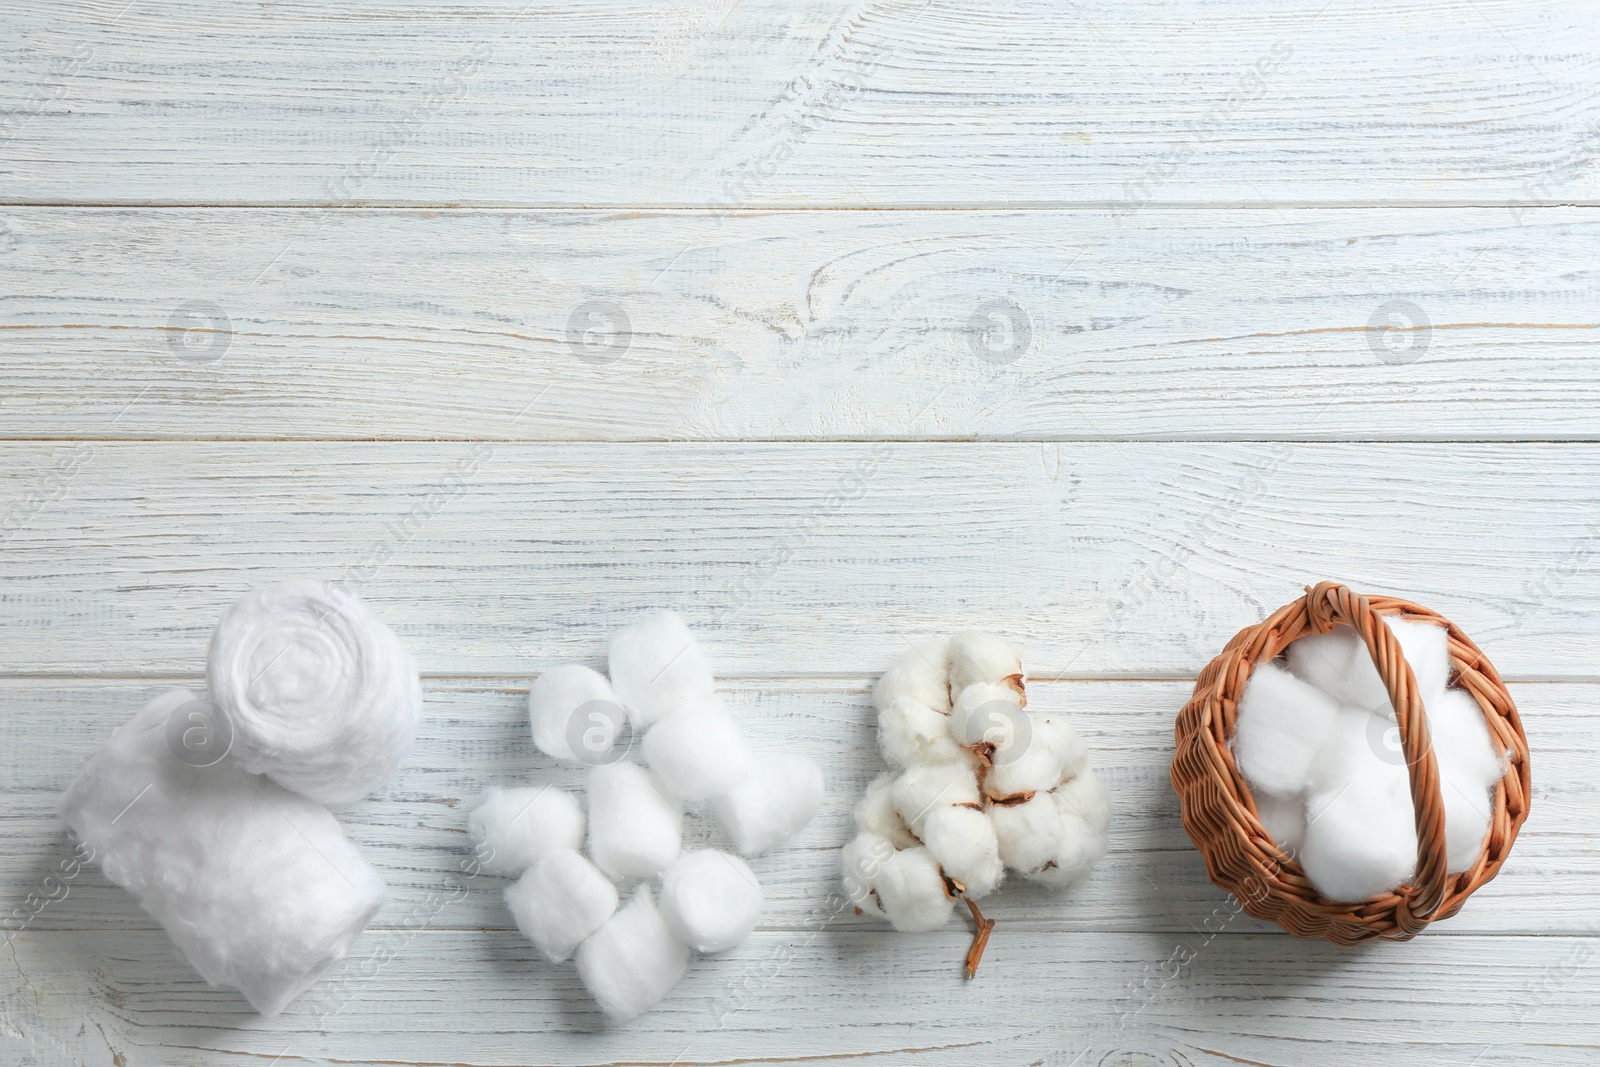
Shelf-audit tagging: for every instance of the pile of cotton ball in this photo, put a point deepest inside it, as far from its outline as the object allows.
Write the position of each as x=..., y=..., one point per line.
x=979, y=785
x=1319, y=746
x=567, y=903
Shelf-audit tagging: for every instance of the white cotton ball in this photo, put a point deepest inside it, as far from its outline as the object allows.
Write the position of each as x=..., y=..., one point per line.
x=776, y=800
x=963, y=842
x=635, y=830
x=1361, y=746
x=711, y=899
x=922, y=789
x=861, y=860
x=1426, y=647
x=875, y=813
x=632, y=961
x=1028, y=833
x=515, y=828
x=1329, y=661
x=321, y=696
x=985, y=713
x=553, y=702
x=922, y=675
x=1462, y=740
x=698, y=751
x=1282, y=722
x=658, y=667
x=912, y=891
x=1468, y=811
x=561, y=900
x=1339, y=664
x=911, y=733
x=1361, y=839
x=976, y=656
x=1284, y=818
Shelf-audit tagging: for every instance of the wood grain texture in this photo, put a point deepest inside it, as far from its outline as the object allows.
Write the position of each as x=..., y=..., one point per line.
x=715, y=103
x=933, y=325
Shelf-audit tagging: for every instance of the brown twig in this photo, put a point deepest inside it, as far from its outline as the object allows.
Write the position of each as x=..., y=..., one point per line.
x=980, y=939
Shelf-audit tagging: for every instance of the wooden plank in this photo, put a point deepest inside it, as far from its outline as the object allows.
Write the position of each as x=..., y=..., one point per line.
x=985, y=325
x=713, y=103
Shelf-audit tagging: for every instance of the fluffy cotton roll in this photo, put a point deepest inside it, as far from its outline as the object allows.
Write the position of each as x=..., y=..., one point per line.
x=711, y=899
x=963, y=841
x=861, y=860
x=1284, y=818
x=657, y=667
x=1282, y=723
x=912, y=891
x=776, y=800
x=875, y=813
x=976, y=656
x=1027, y=834
x=632, y=961
x=1362, y=746
x=910, y=733
x=560, y=901
x=1360, y=840
x=515, y=828
x=922, y=676
x=635, y=830
x=257, y=886
x=698, y=751
x=921, y=790
x=1329, y=661
x=553, y=702
x=320, y=695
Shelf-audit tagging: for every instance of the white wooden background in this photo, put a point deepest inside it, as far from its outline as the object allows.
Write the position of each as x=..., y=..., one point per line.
x=385, y=215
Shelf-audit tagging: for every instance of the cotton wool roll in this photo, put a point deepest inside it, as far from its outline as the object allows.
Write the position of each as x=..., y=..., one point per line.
x=776, y=800
x=1282, y=723
x=1360, y=840
x=632, y=961
x=911, y=891
x=321, y=696
x=258, y=887
x=963, y=841
x=1284, y=818
x=553, y=702
x=911, y=733
x=1462, y=741
x=976, y=656
x=1361, y=747
x=711, y=900
x=861, y=860
x=516, y=828
x=560, y=901
x=657, y=667
x=698, y=751
x=1027, y=834
x=921, y=675
x=875, y=813
x=635, y=830
x=920, y=790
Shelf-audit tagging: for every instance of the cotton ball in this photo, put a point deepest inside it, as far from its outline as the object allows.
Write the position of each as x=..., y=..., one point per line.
x=963, y=841
x=772, y=803
x=632, y=961
x=697, y=751
x=922, y=789
x=985, y=713
x=1461, y=739
x=912, y=891
x=1282, y=722
x=515, y=828
x=875, y=813
x=658, y=667
x=1284, y=818
x=554, y=700
x=976, y=656
x=1426, y=647
x=1329, y=661
x=1468, y=809
x=911, y=733
x=635, y=831
x=1359, y=840
x=1362, y=746
x=922, y=675
x=1339, y=664
x=1027, y=834
x=561, y=900
x=861, y=860
x=711, y=900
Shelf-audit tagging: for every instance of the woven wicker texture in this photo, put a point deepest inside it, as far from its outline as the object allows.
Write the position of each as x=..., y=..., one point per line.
x=1219, y=812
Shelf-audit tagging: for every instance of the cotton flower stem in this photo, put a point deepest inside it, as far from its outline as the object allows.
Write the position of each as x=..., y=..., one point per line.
x=980, y=938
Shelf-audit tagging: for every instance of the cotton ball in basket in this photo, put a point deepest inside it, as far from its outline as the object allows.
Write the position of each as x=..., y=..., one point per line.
x=1470, y=764
x=657, y=667
x=320, y=696
x=632, y=961
x=1339, y=664
x=560, y=901
x=515, y=828
x=779, y=796
x=697, y=751
x=573, y=703
x=635, y=829
x=1360, y=840
x=1284, y=818
x=711, y=900
x=1282, y=722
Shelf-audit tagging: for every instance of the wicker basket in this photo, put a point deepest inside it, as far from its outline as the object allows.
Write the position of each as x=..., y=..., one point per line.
x=1220, y=814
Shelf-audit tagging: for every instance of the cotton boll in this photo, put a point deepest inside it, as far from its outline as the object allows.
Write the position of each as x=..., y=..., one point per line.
x=553, y=702
x=1027, y=834
x=922, y=789
x=1055, y=733
x=515, y=828
x=963, y=842
x=862, y=860
x=976, y=656
x=635, y=831
x=985, y=713
x=658, y=667
x=711, y=900
x=912, y=891
x=1087, y=797
x=772, y=803
x=697, y=751
x=560, y=901
x=1282, y=722
x=911, y=733
x=1284, y=818
x=875, y=813
x=1079, y=846
x=632, y=961
x=1043, y=752
x=922, y=676
x=1461, y=739
x=1360, y=840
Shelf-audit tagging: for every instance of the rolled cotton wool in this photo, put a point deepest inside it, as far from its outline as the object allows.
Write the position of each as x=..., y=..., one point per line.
x=1360, y=840
x=258, y=887
x=321, y=697
x=773, y=802
x=632, y=961
x=912, y=892
x=657, y=667
x=1282, y=817
x=1470, y=765
x=1339, y=664
x=698, y=751
x=560, y=901
x=1282, y=723
x=515, y=828
x=560, y=713
x=710, y=899
x=635, y=829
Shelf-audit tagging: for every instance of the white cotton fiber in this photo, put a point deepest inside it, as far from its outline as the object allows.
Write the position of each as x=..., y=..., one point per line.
x=861, y=860
x=911, y=733
x=1470, y=764
x=257, y=886
x=553, y=702
x=1045, y=752
x=321, y=696
x=1282, y=722
x=772, y=803
x=921, y=790
x=1360, y=840
x=976, y=656
x=632, y=961
x=986, y=713
x=1084, y=807
x=1468, y=808
x=963, y=841
x=1362, y=746
x=1027, y=834
x=1339, y=664
x=698, y=751
x=1284, y=818
x=711, y=900
x=875, y=813
x=635, y=829
x=912, y=891
x=921, y=675
x=657, y=667
x=1086, y=797
x=515, y=828
x=560, y=901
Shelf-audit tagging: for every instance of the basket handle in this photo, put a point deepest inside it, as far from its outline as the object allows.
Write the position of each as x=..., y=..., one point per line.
x=1328, y=604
